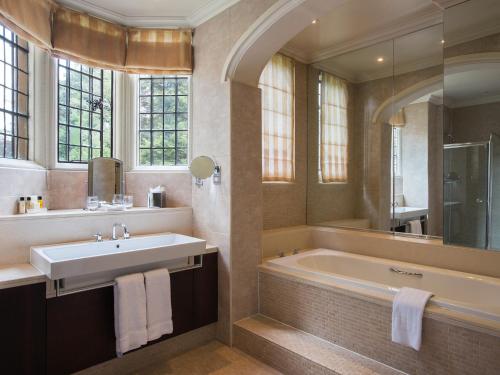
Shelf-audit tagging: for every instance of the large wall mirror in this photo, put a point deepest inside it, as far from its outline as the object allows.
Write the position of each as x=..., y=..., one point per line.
x=472, y=125
x=404, y=135
x=393, y=115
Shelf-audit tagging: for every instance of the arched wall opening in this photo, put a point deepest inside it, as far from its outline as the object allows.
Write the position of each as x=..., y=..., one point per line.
x=268, y=34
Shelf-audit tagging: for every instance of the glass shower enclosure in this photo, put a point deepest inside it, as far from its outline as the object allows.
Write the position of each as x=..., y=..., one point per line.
x=472, y=194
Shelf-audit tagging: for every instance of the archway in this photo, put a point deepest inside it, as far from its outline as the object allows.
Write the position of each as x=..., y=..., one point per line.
x=268, y=34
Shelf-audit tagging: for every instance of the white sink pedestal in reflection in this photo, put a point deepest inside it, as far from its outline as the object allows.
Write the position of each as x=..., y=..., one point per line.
x=405, y=213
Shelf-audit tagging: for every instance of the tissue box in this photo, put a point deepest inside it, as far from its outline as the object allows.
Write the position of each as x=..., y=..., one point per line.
x=157, y=199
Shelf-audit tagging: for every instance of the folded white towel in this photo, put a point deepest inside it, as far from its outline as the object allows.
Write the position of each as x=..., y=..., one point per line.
x=415, y=227
x=407, y=313
x=159, y=307
x=130, y=313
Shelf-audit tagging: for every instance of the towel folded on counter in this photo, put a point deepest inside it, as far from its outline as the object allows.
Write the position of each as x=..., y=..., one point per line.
x=407, y=313
x=159, y=307
x=130, y=313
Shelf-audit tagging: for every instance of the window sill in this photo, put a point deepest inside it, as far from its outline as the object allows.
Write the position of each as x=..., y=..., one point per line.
x=183, y=169
x=71, y=167
x=83, y=213
x=20, y=164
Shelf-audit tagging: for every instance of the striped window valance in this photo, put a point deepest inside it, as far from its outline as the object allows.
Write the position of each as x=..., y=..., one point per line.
x=278, y=119
x=333, y=129
x=95, y=42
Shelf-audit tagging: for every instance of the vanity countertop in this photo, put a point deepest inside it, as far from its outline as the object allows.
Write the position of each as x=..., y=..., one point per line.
x=12, y=275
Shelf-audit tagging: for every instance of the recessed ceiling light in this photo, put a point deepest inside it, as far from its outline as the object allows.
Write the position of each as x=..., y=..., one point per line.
x=442, y=41
x=380, y=59
x=314, y=22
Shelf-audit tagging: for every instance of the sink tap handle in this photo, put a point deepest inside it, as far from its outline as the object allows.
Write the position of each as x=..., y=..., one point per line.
x=126, y=234
x=98, y=237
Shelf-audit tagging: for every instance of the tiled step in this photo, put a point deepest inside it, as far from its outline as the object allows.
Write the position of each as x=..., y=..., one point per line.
x=296, y=352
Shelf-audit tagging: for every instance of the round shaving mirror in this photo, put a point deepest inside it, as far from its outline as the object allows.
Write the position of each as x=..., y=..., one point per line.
x=201, y=168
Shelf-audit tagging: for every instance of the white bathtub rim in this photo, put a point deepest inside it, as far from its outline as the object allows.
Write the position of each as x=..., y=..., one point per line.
x=432, y=311
x=390, y=290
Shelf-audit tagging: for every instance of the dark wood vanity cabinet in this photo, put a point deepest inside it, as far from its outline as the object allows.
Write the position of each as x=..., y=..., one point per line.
x=22, y=330
x=80, y=326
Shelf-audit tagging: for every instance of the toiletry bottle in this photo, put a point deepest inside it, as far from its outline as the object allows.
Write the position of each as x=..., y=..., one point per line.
x=29, y=204
x=21, y=206
x=40, y=202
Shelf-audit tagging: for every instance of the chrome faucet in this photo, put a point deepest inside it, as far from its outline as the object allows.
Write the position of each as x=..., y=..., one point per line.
x=98, y=237
x=126, y=234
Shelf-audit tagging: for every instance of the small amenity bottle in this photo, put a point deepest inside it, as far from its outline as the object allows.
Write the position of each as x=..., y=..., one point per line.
x=29, y=204
x=21, y=206
x=40, y=202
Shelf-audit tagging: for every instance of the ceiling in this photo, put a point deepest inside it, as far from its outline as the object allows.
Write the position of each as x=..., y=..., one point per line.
x=415, y=51
x=474, y=86
x=152, y=13
x=471, y=20
x=360, y=23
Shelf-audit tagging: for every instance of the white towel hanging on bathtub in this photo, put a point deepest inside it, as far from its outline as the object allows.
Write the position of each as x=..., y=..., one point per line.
x=407, y=313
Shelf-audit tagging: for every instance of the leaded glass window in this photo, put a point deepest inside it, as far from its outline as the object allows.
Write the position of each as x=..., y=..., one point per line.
x=85, y=112
x=14, y=96
x=163, y=120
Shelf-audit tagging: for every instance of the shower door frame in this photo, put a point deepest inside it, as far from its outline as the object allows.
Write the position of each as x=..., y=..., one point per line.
x=489, y=187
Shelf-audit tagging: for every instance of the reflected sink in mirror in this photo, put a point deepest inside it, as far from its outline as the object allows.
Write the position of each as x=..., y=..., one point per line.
x=83, y=258
x=404, y=213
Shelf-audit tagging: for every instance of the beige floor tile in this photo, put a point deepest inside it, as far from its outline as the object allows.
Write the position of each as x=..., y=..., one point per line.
x=212, y=358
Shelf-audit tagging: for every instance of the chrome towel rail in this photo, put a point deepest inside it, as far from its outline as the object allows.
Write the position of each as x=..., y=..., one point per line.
x=406, y=273
x=59, y=284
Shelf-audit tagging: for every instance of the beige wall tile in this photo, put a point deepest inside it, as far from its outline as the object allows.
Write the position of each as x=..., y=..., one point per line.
x=17, y=183
x=284, y=204
x=365, y=328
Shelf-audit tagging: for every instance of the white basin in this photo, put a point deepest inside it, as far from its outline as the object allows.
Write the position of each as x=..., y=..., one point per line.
x=409, y=212
x=83, y=258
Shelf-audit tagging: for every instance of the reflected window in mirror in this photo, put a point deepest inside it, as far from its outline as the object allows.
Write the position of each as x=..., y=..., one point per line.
x=163, y=136
x=277, y=83
x=85, y=112
x=14, y=95
x=397, y=152
x=333, y=129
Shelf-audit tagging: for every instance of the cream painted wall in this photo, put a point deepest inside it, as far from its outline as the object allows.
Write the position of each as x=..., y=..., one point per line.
x=285, y=203
x=415, y=155
x=215, y=135
x=475, y=123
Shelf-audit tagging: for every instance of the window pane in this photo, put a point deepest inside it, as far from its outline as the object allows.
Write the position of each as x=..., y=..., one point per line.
x=170, y=121
x=158, y=86
x=169, y=156
x=158, y=121
x=145, y=157
x=145, y=122
x=90, y=112
x=14, y=100
x=163, y=120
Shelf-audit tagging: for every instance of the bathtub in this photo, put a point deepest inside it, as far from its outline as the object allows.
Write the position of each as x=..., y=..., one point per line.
x=473, y=295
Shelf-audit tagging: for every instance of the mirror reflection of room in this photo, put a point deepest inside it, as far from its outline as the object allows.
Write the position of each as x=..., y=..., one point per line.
x=472, y=126
x=373, y=153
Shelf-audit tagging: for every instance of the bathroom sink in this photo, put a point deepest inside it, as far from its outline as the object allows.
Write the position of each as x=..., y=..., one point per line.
x=82, y=258
x=409, y=212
